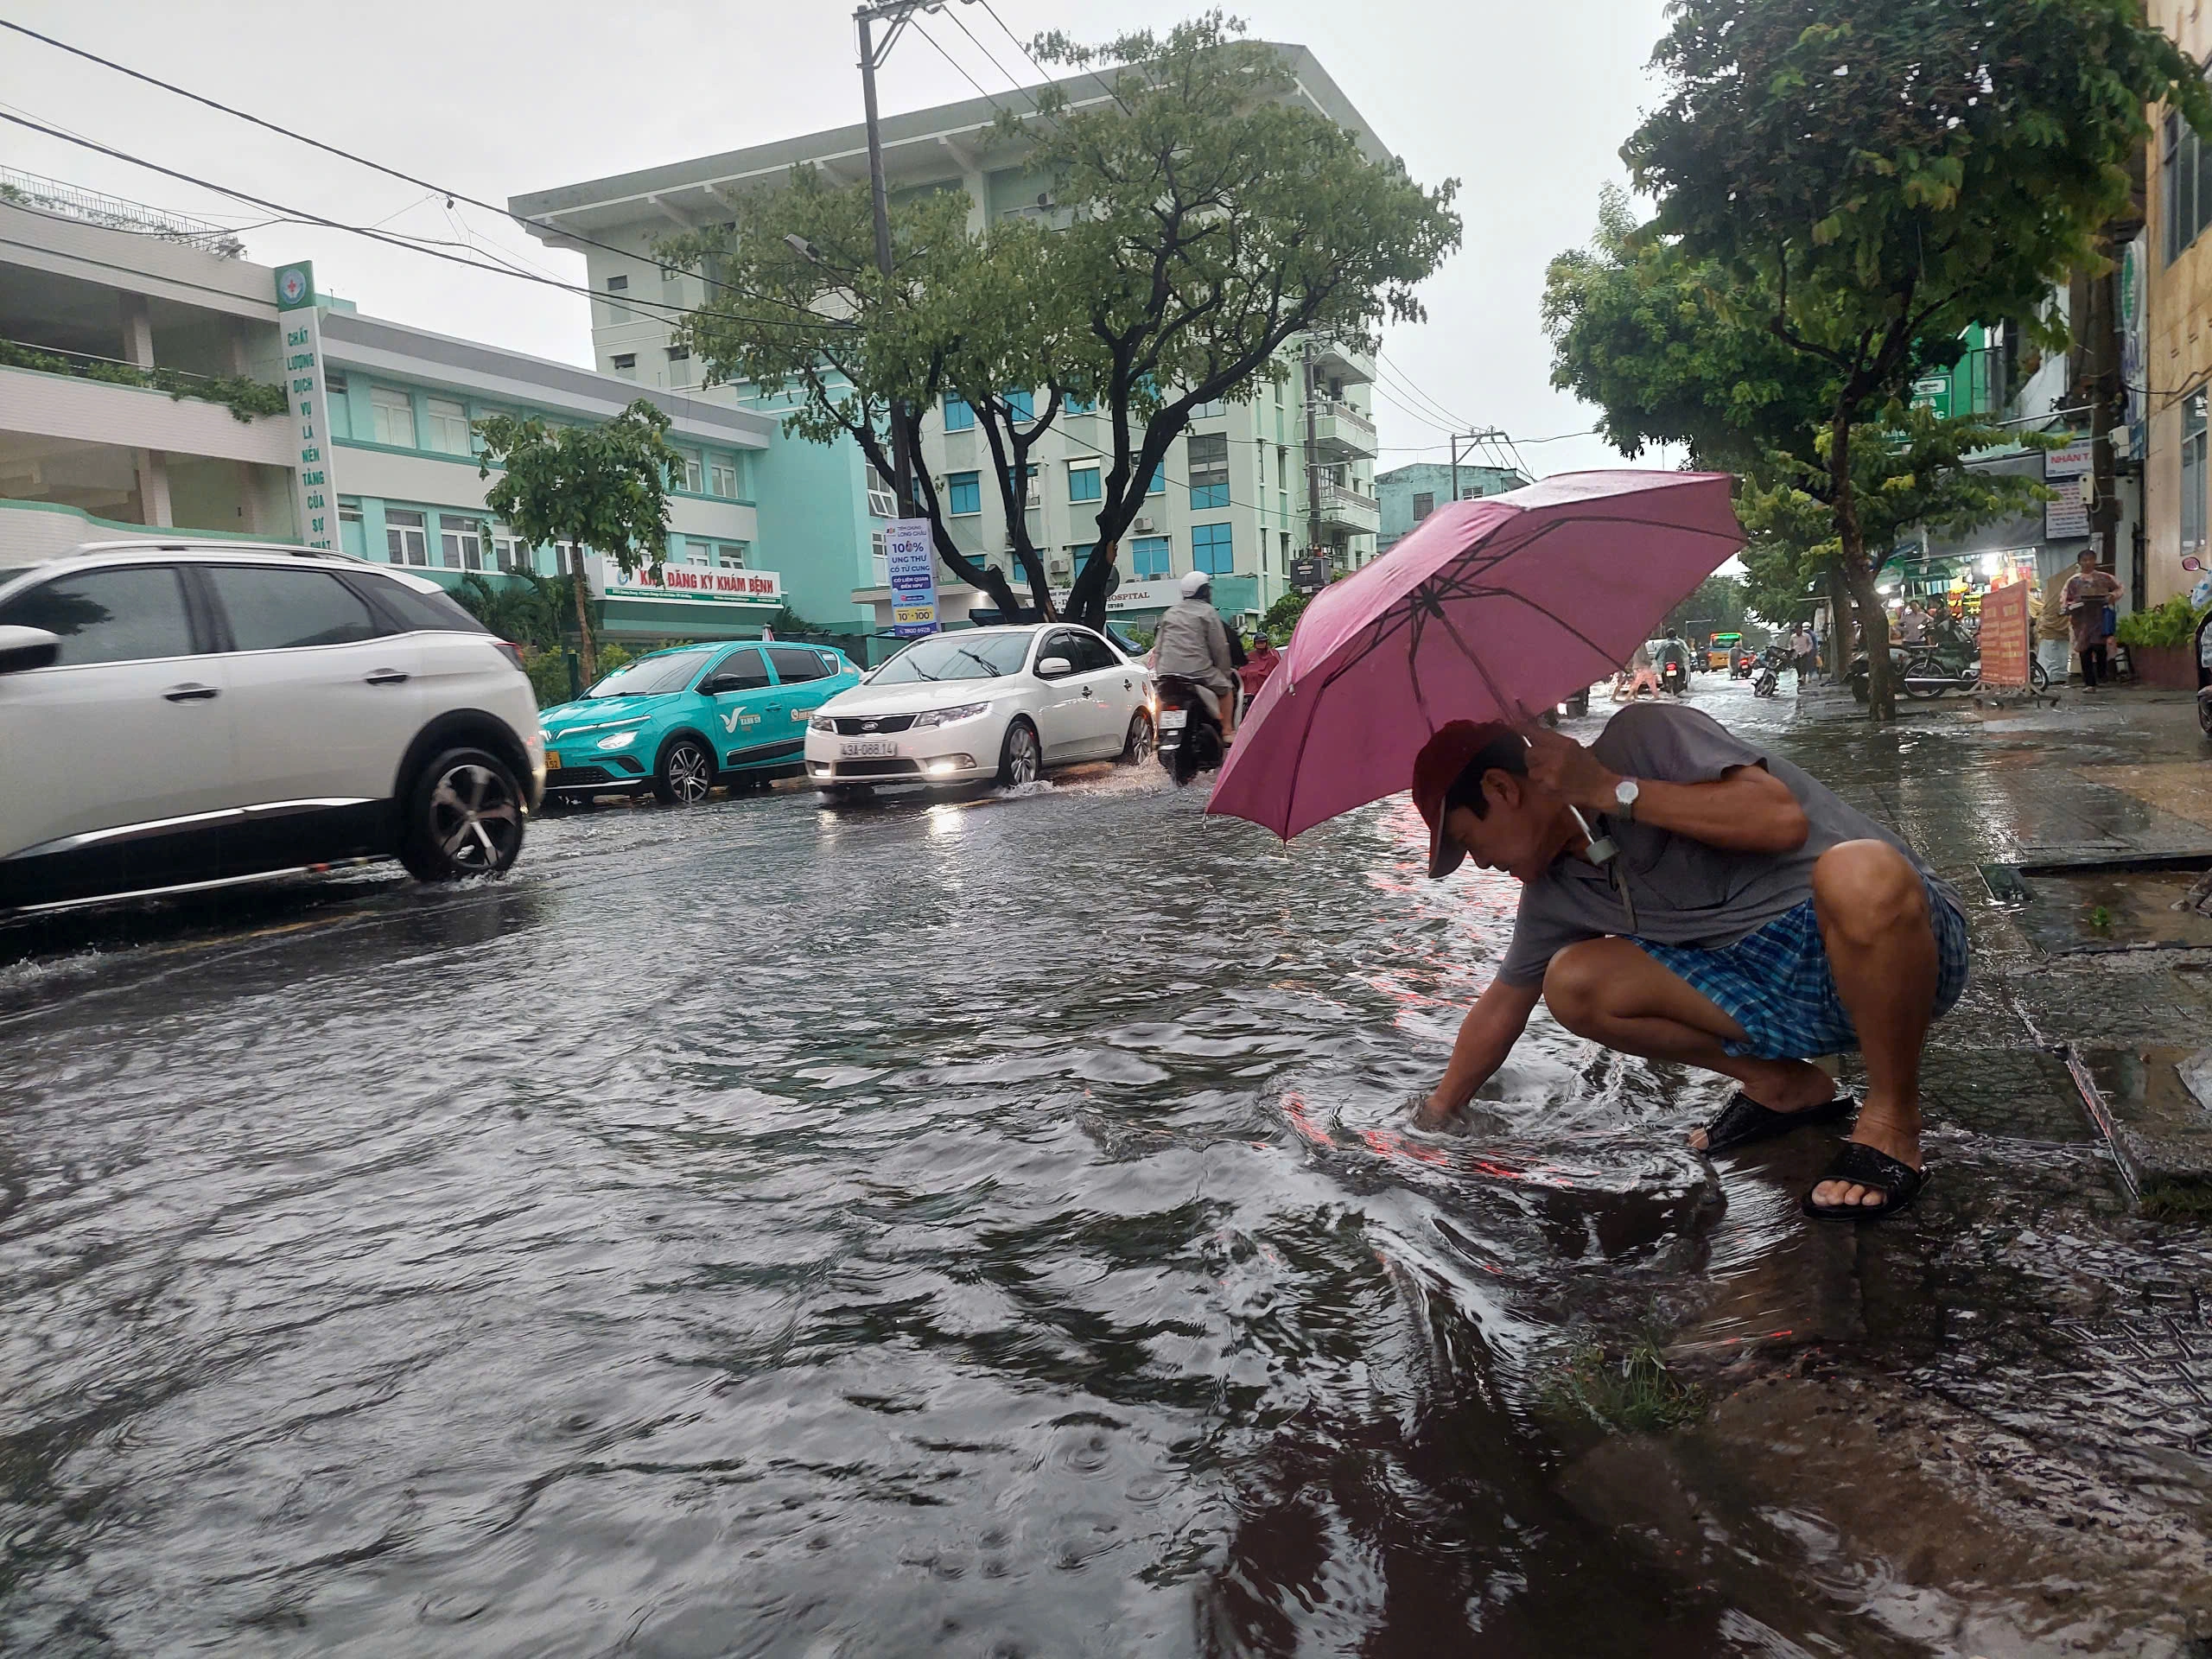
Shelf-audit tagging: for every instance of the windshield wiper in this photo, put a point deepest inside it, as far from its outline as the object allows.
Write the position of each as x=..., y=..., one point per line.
x=993, y=669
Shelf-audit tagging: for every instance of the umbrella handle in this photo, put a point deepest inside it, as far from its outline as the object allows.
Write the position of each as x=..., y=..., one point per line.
x=1602, y=850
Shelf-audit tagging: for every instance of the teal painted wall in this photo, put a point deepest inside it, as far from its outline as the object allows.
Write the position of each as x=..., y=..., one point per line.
x=815, y=529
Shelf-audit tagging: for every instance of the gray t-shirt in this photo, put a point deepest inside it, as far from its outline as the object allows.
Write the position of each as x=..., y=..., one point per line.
x=1686, y=893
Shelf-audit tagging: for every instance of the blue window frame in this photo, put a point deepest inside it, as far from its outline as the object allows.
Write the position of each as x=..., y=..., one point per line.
x=964, y=492
x=1213, y=549
x=1017, y=406
x=1075, y=405
x=1208, y=458
x=1082, y=482
x=1158, y=484
x=958, y=417
x=1151, y=555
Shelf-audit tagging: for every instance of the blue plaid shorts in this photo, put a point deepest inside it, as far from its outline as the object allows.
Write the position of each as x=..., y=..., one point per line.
x=1776, y=983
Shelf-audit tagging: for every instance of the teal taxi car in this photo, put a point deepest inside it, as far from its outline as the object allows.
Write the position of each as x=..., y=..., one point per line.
x=679, y=721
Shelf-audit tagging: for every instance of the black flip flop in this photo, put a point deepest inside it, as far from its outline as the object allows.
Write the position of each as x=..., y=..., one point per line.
x=1864, y=1166
x=1743, y=1120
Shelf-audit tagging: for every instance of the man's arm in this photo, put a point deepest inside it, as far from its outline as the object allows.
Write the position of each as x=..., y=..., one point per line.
x=1747, y=810
x=1486, y=1037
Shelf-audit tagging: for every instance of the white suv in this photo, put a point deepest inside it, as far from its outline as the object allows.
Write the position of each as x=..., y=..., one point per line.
x=184, y=714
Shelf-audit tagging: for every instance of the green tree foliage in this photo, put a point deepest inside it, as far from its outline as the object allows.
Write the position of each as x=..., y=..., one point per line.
x=1874, y=174
x=526, y=607
x=1718, y=606
x=1281, y=619
x=601, y=486
x=1194, y=224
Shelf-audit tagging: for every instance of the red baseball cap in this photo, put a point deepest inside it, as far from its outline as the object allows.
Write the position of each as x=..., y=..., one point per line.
x=1436, y=768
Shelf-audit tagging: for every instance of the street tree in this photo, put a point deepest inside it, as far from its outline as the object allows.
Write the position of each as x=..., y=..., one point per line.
x=602, y=487
x=1673, y=350
x=1876, y=174
x=1196, y=222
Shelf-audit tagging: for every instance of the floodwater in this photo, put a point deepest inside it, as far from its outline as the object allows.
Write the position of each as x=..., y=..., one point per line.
x=977, y=1228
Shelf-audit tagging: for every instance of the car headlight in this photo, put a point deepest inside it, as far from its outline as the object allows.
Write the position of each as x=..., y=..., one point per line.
x=946, y=716
x=822, y=723
x=617, y=740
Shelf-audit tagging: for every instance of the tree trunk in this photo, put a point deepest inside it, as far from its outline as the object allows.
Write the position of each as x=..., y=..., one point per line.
x=1859, y=576
x=1840, y=623
x=587, y=655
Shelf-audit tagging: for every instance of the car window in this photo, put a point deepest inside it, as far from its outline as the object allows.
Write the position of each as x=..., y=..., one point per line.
x=745, y=668
x=271, y=608
x=832, y=663
x=1095, y=654
x=412, y=608
x=654, y=675
x=794, y=665
x=1062, y=643
x=962, y=655
x=130, y=614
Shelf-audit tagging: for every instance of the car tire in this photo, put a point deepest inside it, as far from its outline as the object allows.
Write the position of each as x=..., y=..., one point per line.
x=2204, y=714
x=1021, y=759
x=685, y=773
x=1137, y=747
x=464, y=815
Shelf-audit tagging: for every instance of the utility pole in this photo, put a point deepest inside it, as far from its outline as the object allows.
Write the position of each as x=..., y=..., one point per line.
x=1313, y=464
x=896, y=13
x=1480, y=434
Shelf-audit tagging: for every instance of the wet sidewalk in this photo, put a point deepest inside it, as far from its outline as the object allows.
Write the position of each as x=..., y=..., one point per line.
x=1985, y=1427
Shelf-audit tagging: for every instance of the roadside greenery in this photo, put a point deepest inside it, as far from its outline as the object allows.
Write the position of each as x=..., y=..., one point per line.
x=602, y=487
x=1635, y=1392
x=1184, y=232
x=2166, y=625
x=1868, y=176
x=245, y=399
x=1280, y=620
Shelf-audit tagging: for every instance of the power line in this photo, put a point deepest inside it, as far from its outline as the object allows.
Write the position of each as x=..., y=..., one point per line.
x=938, y=46
x=1110, y=91
x=1405, y=383
x=301, y=215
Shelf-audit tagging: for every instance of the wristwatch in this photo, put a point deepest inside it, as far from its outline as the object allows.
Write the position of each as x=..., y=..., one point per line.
x=1624, y=794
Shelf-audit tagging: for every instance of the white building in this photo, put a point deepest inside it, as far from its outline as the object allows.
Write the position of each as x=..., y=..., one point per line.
x=1241, y=493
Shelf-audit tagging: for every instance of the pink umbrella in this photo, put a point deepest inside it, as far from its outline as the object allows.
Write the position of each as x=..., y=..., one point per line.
x=1490, y=610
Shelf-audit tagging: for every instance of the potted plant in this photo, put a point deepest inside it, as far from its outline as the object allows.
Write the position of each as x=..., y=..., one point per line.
x=2160, y=643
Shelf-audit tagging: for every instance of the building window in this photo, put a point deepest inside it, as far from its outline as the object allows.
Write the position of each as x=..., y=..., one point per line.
x=1209, y=464
x=958, y=417
x=353, y=532
x=697, y=552
x=730, y=555
x=567, y=558
x=1018, y=408
x=335, y=385
x=721, y=477
x=1212, y=549
x=965, y=492
x=679, y=354
x=508, y=553
x=1083, y=481
x=1158, y=484
x=2188, y=186
x=1209, y=409
x=693, y=477
x=2192, y=471
x=882, y=502
x=1424, y=503
x=625, y=363
x=460, y=544
x=404, y=539
x=879, y=559
x=1079, y=405
x=448, y=426
x=1031, y=496
x=1150, y=557
x=618, y=284
x=394, y=414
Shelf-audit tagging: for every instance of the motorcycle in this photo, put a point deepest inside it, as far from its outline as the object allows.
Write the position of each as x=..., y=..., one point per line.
x=1189, y=729
x=1771, y=662
x=1672, y=658
x=1927, y=672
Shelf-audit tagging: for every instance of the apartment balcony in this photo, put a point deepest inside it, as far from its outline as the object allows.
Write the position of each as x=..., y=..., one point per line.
x=1334, y=361
x=1348, y=510
x=1342, y=431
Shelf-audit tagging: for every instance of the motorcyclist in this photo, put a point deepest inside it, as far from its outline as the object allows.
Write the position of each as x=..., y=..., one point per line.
x=1191, y=644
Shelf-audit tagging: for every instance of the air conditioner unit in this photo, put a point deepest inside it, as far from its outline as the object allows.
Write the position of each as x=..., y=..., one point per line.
x=1142, y=526
x=1056, y=568
x=1036, y=495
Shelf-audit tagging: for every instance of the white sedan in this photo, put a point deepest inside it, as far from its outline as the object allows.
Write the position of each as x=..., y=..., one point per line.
x=983, y=703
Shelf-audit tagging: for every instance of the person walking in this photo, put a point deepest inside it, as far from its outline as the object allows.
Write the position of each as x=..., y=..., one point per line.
x=1750, y=922
x=1912, y=626
x=2087, y=593
x=1801, y=648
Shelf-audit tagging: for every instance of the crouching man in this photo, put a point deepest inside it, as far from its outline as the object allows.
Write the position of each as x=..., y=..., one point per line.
x=1750, y=922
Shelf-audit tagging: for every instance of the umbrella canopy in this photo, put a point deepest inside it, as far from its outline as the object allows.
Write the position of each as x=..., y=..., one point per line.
x=1492, y=609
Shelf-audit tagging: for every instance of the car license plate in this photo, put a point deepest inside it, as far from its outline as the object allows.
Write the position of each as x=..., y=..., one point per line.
x=861, y=747
x=1174, y=720
x=552, y=759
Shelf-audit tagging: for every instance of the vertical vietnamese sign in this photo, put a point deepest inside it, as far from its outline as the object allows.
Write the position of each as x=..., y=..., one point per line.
x=2005, y=635
x=310, y=402
x=912, y=572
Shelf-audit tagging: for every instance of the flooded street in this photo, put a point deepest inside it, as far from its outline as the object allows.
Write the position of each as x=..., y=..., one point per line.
x=978, y=1228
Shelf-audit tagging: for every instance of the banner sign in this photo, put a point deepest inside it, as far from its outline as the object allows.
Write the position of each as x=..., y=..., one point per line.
x=2131, y=264
x=2071, y=462
x=2005, y=636
x=688, y=582
x=910, y=565
x=2066, y=514
x=309, y=410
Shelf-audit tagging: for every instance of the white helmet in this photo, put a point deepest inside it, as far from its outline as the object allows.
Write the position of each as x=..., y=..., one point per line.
x=1196, y=583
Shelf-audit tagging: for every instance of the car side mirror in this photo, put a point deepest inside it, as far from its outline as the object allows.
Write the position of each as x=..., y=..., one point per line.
x=1052, y=667
x=26, y=648
x=2192, y=562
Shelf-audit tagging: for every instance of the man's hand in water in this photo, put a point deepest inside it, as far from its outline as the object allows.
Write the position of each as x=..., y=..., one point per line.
x=1562, y=765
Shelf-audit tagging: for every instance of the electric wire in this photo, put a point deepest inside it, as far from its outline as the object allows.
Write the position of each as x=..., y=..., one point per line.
x=1387, y=368
x=431, y=248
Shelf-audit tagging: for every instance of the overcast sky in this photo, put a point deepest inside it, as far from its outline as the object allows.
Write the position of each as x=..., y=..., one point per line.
x=1526, y=104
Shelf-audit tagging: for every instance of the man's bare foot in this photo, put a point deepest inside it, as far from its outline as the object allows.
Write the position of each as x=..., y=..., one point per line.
x=1795, y=1086
x=1883, y=1129
x=1430, y=1119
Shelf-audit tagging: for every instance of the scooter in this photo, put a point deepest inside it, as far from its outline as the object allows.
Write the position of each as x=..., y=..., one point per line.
x=1189, y=729
x=1769, y=673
